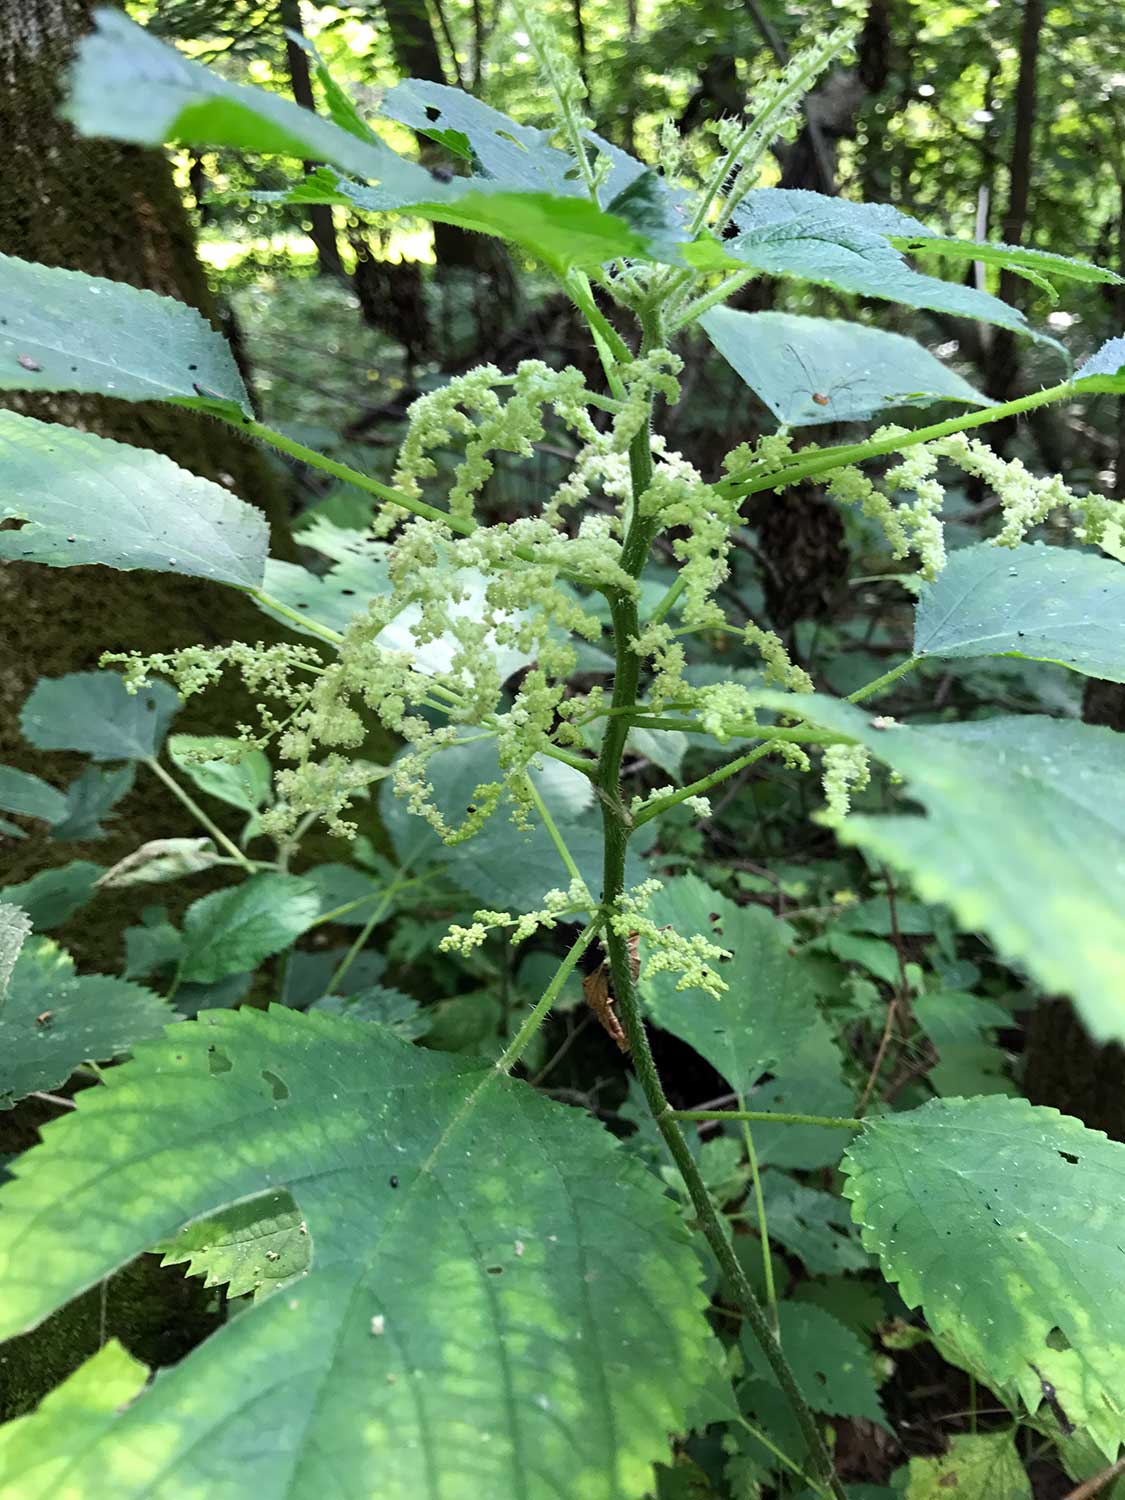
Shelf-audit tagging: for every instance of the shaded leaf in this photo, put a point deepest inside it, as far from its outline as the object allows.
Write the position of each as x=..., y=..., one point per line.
x=87, y=499
x=55, y=1019
x=66, y=331
x=380, y=1006
x=483, y=1230
x=93, y=712
x=812, y=1225
x=29, y=796
x=770, y=1001
x=1047, y=603
x=52, y=896
x=810, y=370
x=1001, y=1220
x=232, y=930
x=1024, y=838
x=963, y=1029
x=89, y=798
x=829, y=1362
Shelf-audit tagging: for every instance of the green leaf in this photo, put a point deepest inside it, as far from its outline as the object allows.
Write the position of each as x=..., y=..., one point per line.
x=94, y=713
x=830, y=241
x=829, y=1362
x=249, y=1247
x=1104, y=370
x=813, y=1225
x=790, y=362
x=1044, y=603
x=89, y=798
x=770, y=1001
x=1000, y=1219
x=377, y=1005
x=86, y=499
x=340, y=885
x=29, y=796
x=976, y=1466
x=15, y=925
x=807, y=1080
x=52, y=896
x=1023, y=838
x=489, y=1269
x=1038, y=265
x=232, y=930
x=89, y=1018
x=245, y=783
x=129, y=86
x=962, y=1028
x=66, y=331
x=39, y=1451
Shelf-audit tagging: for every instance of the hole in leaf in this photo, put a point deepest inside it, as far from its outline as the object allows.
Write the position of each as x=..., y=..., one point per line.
x=495, y=1270
x=1068, y=1156
x=218, y=1061
x=432, y=112
x=1057, y=1339
x=278, y=1087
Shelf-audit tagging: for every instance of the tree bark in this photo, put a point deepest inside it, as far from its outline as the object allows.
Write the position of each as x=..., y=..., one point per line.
x=323, y=227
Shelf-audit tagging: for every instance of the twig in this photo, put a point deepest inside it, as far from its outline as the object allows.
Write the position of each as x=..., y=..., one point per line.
x=1091, y=1486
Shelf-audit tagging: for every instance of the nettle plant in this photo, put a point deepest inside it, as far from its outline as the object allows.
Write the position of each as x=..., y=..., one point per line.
x=455, y=1285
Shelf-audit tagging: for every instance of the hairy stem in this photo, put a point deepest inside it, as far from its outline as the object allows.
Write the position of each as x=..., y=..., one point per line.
x=197, y=812
x=518, y=1045
x=617, y=825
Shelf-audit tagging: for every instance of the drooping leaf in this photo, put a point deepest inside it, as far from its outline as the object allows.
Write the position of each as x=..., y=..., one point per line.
x=232, y=930
x=770, y=1000
x=129, y=86
x=1001, y=1220
x=810, y=370
x=976, y=1466
x=37, y=1452
x=813, y=1225
x=1104, y=370
x=848, y=246
x=55, y=1019
x=489, y=1268
x=15, y=926
x=30, y=796
x=94, y=713
x=1024, y=837
x=52, y=896
x=829, y=1362
x=89, y=798
x=254, y=1246
x=87, y=499
x=66, y=331
x=245, y=782
x=159, y=860
x=1047, y=603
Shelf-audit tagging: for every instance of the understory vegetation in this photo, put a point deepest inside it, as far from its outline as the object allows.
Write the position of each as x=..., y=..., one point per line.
x=577, y=950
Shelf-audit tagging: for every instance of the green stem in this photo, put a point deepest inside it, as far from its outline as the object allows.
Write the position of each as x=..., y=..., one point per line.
x=782, y=1457
x=617, y=825
x=824, y=460
x=707, y=300
x=267, y=601
x=765, y=1116
x=612, y=348
x=552, y=829
x=661, y=610
x=197, y=812
x=885, y=681
x=366, y=930
x=523, y=1036
x=697, y=788
x=763, y=1225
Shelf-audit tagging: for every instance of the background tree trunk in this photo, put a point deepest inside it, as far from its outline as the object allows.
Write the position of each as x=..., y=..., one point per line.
x=323, y=231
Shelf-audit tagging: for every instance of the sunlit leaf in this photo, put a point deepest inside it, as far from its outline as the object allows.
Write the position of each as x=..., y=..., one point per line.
x=489, y=1269
x=245, y=782
x=1104, y=370
x=254, y=1246
x=1001, y=1220
x=976, y=1466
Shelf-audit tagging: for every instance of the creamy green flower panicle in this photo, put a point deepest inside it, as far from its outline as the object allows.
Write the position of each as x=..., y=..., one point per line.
x=557, y=906
x=665, y=950
x=847, y=769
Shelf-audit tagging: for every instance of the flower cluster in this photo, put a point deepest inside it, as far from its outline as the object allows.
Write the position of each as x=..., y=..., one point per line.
x=668, y=951
x=557, y=906
x=847, y=769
